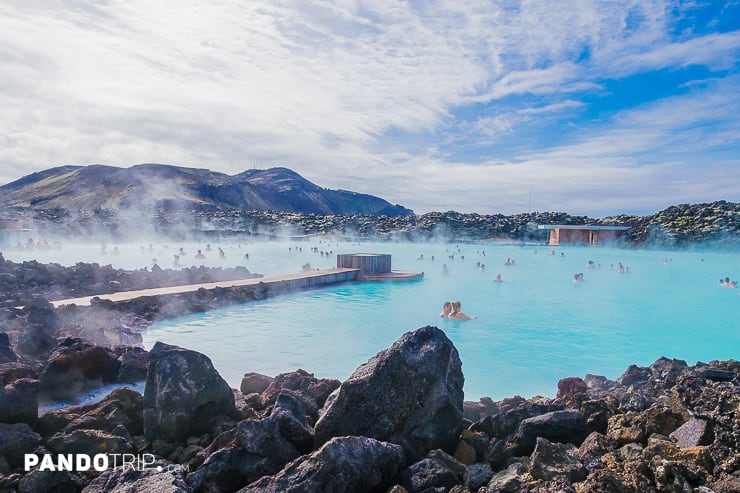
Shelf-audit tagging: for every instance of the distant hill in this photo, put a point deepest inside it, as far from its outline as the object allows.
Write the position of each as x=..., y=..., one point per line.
x=161, y=186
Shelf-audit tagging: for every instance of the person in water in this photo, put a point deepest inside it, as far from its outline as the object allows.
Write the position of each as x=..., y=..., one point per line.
x=446, y=310
x=498, y=278
x=457, y=312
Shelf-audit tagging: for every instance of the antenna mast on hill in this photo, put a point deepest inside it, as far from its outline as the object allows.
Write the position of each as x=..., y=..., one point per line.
x=530, y=201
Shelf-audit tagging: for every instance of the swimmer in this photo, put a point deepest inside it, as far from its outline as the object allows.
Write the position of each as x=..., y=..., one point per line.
x=445, y=270
x=199, y=255
x=498, y=278
x=457, y=314
x=577, y=277
x=446, y=310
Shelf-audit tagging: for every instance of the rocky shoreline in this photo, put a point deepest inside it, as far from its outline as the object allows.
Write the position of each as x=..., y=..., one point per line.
x=678, y=226
x=398, y=423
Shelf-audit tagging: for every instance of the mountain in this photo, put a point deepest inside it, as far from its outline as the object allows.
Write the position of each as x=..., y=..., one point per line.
x=162, y=186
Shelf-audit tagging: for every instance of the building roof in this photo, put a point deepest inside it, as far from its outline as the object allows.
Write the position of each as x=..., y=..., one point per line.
x=583, y=227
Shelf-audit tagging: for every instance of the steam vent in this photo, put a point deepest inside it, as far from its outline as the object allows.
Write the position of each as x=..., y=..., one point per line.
x=374, y=267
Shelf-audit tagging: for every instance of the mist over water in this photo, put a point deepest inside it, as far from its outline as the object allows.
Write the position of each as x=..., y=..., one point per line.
x=531, y=330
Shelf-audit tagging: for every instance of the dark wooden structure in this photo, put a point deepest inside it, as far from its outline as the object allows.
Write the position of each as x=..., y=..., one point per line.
x=374, y=267
x=370, y=264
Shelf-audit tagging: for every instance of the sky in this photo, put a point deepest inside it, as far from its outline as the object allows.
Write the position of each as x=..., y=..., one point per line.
x=582, y=106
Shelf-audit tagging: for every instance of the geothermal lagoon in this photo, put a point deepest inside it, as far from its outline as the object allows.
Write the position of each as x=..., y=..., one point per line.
x=532, y=329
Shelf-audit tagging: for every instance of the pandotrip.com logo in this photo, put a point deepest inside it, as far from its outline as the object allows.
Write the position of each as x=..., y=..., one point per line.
x=97, y=463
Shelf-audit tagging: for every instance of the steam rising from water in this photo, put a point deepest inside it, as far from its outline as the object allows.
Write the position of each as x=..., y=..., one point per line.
x=532, y=329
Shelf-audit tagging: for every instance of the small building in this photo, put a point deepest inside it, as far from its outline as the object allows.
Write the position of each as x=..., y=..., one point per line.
x=374, y=267
x=567, y=234
x=10, y=232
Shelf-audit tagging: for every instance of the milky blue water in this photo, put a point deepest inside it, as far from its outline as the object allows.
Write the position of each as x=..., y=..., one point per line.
x=532, y=329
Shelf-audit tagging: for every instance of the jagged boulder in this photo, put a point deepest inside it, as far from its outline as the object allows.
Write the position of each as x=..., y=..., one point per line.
x=255, y=383
x=567, y=426
x=37, y=481
x=262, y=447
x=16, y=440
x=19, y=401
x=90, y=442
x=168, y=479
x=549, y=460
x=119, y=413
x=184, y=395
x=133, y=363
x=342, y=465
x=7, y=355
x=436, y=470
x=505, y=422
x=410, y=394
x=36, y=342
x=74, y=367
x=313, y=391
x=693, y=433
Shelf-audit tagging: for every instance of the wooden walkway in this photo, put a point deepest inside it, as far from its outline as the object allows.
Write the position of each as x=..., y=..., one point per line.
x=296, y=281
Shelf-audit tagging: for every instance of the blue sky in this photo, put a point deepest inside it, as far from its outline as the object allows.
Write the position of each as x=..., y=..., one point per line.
x=588, y=107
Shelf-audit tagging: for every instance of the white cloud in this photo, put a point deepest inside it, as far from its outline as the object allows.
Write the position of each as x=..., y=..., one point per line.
x=346, y=90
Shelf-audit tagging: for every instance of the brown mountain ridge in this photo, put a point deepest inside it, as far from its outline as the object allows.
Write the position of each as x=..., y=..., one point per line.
x=162, y=186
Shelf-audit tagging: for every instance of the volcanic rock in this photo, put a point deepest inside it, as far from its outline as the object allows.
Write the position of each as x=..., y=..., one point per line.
x=477, y=475
x=7, y=355
x=16, y=440
x=410, y=394
x=567, y=426
x=692, y=433
x=19, y=401
x=549, y=460
x=90, y=442
x=184, y=395
x=119, y=413
x=436, y=470
x=74, y=367
x=634, y=375
x=510, y=479
x=135, y=480
x=568, y=387
x=314, y=391
x=133, y=364
x=506, y=422
x=36, y=342
x=262, y=447
x=49, y=481
x=342, y=465
x=255, y=383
